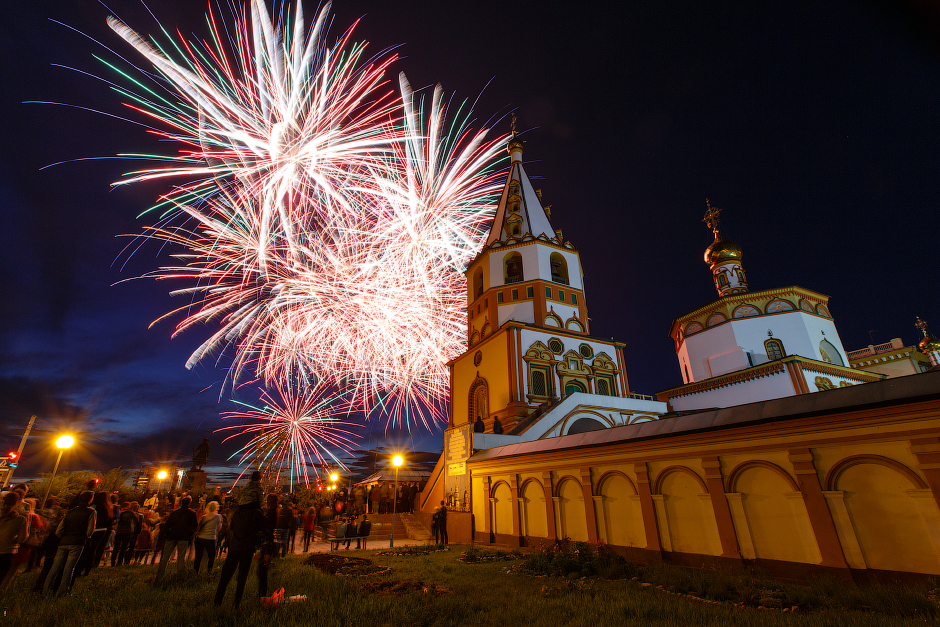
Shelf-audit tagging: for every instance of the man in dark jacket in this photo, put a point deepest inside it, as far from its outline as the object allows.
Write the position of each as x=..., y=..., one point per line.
x=180, y=527
x=245, y=529
x=74, y=530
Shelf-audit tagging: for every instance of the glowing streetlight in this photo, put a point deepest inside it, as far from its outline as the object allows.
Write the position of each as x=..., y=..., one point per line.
x=64, y=442
x=397, y=461
x=334, y=477
x=161, y=475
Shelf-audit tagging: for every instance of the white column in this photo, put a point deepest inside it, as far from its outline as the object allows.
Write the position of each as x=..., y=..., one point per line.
x=927, y=506
x=559, y=519
x=840, y=517
x=811, y=554
x=659, y=502
x=741, y=526
x=600, y=515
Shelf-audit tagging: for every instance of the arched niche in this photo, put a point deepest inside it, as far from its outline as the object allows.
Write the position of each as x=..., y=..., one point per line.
x=512, y=268
x=559, y=268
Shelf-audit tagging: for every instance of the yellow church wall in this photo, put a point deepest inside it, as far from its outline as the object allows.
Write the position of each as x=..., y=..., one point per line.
x=502, y=504
x=570, y=512
x=493, y=368
x=775, y=522
x=478, y=494
x=891, y=518
x=619, y=517
x=533, y=515
x=850, y=490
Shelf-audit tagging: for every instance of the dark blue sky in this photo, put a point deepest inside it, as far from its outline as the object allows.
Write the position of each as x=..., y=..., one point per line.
x=813, y=124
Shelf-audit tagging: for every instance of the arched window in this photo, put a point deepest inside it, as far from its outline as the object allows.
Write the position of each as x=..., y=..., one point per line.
x=479, y=401
x=478, y=283
x=573, y=386
x=512, y=268
x=583, y=425
x=603, y=386
x=830, y=353
x=722, y=279
x=559, y=268
x=774, y=349
x=539, y=386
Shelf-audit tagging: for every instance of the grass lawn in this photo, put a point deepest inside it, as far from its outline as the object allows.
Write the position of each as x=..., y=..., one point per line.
x=464, y=594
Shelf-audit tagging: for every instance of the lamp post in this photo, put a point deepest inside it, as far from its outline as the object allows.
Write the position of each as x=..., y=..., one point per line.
x=161, y=476
x=396, y=461
x=64, y=442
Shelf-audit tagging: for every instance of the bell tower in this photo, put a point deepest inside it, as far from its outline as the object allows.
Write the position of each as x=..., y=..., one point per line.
x=526, y=272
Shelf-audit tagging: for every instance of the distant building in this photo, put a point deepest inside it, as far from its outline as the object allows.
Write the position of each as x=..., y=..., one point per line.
x=892, y=359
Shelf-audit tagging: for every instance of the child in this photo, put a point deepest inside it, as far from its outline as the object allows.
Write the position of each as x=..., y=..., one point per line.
x=143, y=544
x=252, y=495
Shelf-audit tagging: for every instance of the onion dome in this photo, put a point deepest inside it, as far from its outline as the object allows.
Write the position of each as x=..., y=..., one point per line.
x=722, y=251
x=929, y=344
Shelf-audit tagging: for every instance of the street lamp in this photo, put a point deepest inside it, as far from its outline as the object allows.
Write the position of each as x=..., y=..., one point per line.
x=397, y=462
x=64, y=442
x=161, y=476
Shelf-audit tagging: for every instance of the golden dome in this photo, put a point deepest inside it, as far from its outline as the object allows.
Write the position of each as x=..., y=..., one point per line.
x=721, y=251
x=514, y=144
x=929, y=344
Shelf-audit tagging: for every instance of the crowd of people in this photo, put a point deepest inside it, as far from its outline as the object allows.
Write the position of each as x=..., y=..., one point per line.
x=66, y=541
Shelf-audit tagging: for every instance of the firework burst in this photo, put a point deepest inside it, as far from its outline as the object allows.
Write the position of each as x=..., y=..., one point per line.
x=326, y=218
x=292, y=430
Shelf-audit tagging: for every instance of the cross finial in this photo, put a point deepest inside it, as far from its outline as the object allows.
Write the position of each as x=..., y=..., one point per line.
x=922, y=325
x=513, y=123
x=711, y=217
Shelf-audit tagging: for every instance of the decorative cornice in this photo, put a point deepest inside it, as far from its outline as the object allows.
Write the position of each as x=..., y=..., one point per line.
x=767, y=370
x=738, y=299
x=840, y=371
x=732, y=378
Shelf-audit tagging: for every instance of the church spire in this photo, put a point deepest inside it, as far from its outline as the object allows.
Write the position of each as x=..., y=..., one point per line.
x=520, y=210
x=929, y=346
x=723, y=258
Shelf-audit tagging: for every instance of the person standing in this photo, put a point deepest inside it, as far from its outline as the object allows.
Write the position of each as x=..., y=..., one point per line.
x=441, y=523
x=374, y=499
x=99, y=539
x=14, y=529
x=152, y=501
x=138, y=527
x=310, y=525
x=284, y=520
x=123, y=535
x=77, y=526
x=246, y=523
x=206, y=535
x=180, y=527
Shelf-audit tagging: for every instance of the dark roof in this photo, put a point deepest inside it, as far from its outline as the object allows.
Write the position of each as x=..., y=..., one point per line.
x=898, y=391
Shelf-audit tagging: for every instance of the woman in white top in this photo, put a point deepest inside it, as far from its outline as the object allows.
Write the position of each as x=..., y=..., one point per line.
x=206, y=535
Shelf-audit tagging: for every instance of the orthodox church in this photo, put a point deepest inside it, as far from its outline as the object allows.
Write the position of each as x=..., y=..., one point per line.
x=755, y=346
x=774, y=452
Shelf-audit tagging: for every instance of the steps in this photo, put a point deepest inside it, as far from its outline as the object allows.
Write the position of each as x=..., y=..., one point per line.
x=406, y=526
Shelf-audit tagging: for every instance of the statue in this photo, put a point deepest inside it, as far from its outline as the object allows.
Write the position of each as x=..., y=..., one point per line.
x=201, y=455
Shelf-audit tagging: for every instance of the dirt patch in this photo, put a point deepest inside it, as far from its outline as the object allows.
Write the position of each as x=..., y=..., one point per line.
x=344, y=566
x=395, y=588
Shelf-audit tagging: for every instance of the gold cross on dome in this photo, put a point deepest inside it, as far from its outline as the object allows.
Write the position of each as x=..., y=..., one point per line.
x=711, y=217
x=921, y=325
x=513, y=123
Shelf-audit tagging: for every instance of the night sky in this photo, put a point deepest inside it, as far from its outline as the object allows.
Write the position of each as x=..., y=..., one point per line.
x=814, y=125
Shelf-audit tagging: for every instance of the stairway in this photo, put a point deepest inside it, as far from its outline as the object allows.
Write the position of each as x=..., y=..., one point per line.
x=406, y=526
x=416, y=529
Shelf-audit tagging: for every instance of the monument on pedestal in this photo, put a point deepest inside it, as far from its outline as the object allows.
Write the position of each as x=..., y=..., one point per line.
x=196, y=477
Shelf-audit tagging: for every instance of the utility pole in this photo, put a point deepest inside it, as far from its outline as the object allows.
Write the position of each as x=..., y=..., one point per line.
x=19, y=451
